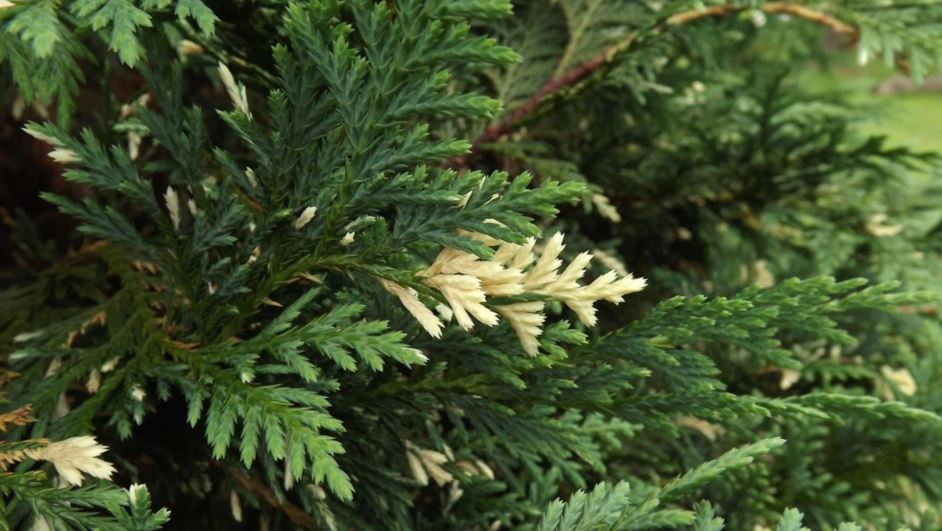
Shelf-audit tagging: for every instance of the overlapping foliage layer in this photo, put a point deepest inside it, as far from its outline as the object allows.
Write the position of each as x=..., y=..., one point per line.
x=381, y=265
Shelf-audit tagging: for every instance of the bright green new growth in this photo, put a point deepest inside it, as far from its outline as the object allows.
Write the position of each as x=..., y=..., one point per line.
x=314, y=282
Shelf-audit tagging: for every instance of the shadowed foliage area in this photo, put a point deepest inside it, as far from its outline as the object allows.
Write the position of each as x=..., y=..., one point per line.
x=468, y=264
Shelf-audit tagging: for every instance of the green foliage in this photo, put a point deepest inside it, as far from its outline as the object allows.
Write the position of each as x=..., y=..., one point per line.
x=28, y=497
x=614, y=507
x=597, y=509
x=298, y=292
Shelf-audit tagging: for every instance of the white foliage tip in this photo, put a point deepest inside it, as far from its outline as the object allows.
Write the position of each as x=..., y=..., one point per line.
x=138, y=393
x=410, y=300
x=172, y=200
x=188, y=47
x=467, y=283
x=425, y=464
x=546, y=280
x=605, y=208
x=60, y=154
x=235, y=506
x=901, y=378
x=235, y=90
x=39, y=135
x=133, y=492
x=74, y=456
x=466, y=298
x=63, y=155
x=526, y=318
x=250, y=175
x=94, y=381
x=878, y=227
x=306, y=216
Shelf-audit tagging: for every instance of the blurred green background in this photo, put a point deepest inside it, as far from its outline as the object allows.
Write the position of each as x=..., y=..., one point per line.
x=910, y=117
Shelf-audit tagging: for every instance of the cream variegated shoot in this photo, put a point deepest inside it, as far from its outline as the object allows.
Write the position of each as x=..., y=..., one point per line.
x=305, y=217
x=236, y=91
x=410, y=300
x=469, y=283
x=60, y=154
x=427, y=464
x=526, y=318
x=605, y=208
x=466, y=297
x=73, y=457
x=172, y=201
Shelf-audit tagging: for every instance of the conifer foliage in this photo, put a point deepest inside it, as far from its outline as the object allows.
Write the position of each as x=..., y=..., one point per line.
x=462, y=264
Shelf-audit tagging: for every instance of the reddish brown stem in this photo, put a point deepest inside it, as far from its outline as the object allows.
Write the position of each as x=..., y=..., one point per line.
x=781, y=8
x=556, y=84
x=553, y=86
